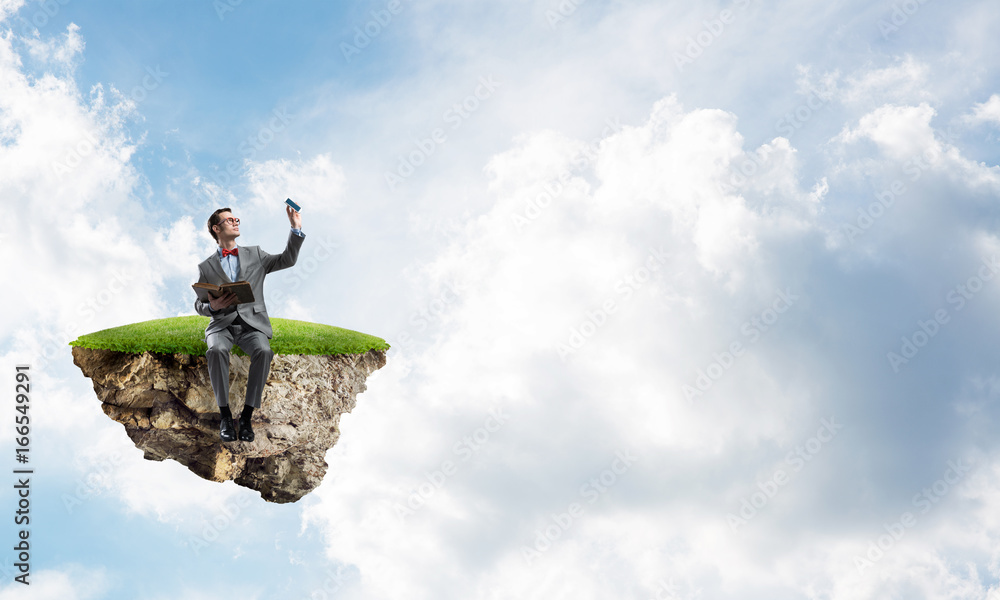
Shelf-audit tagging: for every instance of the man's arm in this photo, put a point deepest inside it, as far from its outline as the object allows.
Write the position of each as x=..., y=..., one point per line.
x=200, y=306
x=276, y=262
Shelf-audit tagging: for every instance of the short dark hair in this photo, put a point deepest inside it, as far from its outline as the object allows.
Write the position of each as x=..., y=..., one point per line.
x=215, y=219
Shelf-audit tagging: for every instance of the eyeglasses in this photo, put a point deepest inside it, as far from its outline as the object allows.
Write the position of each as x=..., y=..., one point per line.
x=232, y=220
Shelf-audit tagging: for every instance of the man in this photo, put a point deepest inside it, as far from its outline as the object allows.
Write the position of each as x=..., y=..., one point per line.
x=247, y=325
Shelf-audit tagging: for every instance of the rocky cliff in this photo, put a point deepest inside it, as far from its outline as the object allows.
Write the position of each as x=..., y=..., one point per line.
x=166, y=404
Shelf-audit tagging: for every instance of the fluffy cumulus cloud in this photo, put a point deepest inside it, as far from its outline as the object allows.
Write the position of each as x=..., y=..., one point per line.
x=69, y=229
x=317, y=179
x=59, y=51
x=988, y=112
x=86, y=256
x=590, y=295
x=668, y=362
x=74, y=583
x=904, y=80
x=665, y=372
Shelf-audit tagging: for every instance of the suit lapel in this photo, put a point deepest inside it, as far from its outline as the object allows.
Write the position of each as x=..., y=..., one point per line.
x=216, y=263
x=247, y=264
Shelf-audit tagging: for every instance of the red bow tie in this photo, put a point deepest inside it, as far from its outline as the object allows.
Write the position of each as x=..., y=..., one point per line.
x=234, y=252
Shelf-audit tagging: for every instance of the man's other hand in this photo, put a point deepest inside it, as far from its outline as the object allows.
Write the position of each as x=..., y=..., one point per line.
x=293, y=217
x=223, y=301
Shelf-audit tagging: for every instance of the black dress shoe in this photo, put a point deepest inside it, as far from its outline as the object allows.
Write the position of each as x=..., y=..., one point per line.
x=226, y=430
x=246, y=431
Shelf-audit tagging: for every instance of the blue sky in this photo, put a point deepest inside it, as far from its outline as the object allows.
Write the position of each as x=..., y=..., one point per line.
x=689, y=300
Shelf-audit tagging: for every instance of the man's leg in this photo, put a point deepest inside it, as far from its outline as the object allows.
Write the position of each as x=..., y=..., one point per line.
x=217, y=356
x=258, y=348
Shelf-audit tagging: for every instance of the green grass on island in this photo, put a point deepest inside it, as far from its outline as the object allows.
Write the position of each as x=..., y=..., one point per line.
x=186, y=335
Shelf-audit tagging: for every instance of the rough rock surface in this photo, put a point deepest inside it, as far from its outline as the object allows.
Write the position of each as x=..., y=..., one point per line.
x=166, y=404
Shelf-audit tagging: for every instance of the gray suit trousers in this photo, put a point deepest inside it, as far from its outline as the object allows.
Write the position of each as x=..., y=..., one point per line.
x=257, y=347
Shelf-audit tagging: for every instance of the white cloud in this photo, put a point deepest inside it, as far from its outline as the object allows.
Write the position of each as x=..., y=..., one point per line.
x=647, y=228
x=180, y=248
x=900, y=132
x=86, y=257
x=904, y=82
x=986, y=112
x=8, y=7
x=71, y=583
x=75, y=236
x=647, y=256
x=905, y=136
x=730, y=226
x=317, y=184
x=52, y=50
x=229, y=589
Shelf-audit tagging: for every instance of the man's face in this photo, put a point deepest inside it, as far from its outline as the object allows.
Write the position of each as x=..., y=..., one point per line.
x=229, y=226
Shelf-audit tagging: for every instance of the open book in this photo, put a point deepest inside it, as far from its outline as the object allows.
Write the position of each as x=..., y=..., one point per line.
x=207, y=291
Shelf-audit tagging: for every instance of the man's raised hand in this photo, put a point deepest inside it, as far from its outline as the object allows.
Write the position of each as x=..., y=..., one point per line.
x=293, y=217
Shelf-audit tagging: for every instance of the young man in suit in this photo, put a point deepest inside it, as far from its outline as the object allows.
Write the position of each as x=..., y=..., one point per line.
x=247, y=325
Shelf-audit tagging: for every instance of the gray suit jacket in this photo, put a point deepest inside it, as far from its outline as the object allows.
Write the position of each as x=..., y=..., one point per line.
x=254, y=265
